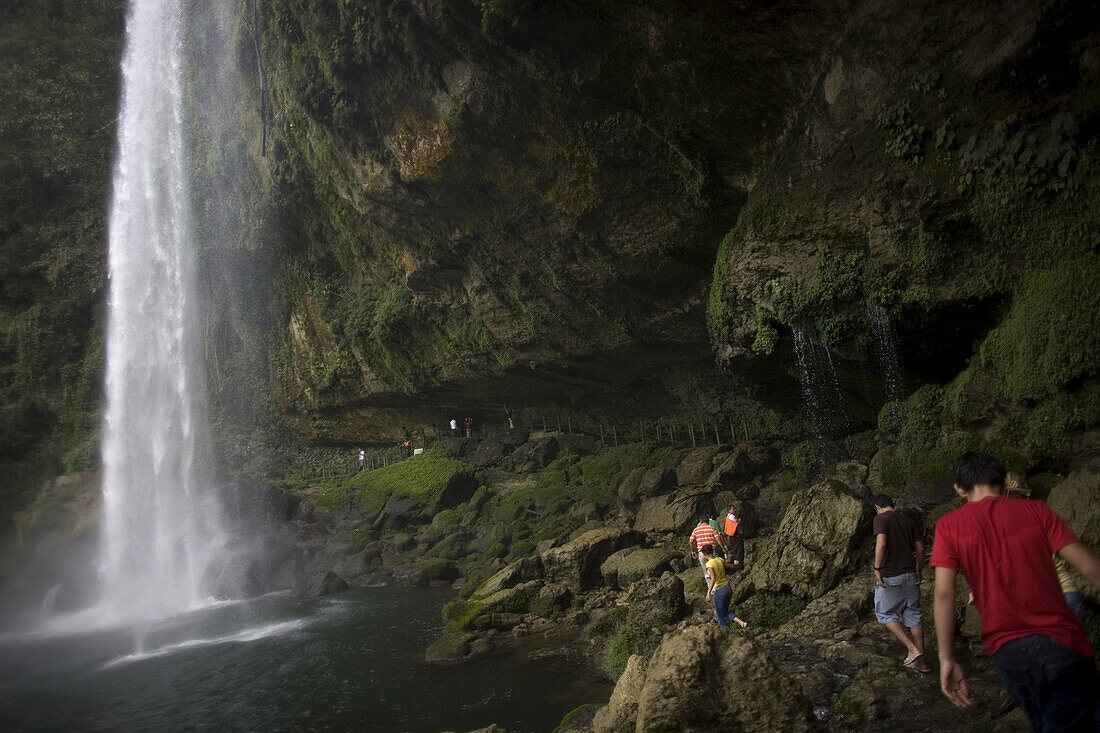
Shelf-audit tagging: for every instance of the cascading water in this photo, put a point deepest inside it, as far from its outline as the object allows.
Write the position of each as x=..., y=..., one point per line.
x=161, y=524
x=887, y=353
x=821, y=393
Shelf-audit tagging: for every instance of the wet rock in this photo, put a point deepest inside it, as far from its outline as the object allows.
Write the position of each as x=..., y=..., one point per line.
x=494, y=449
x=842, y=606
x=705, y=678
x=534, y=455
x=631, y=564
x=656, y=601
x=697, y=465
x=505, y=621
x=551, y=600
x=852, y=474
x=433, y=570
x=677, y=512
x=510, y=600
x=330, y=583
x=451, y=647
x=523, y=569
x=628, y=489
x=577, y=563
x=656, y=481
x=398, y=512
x=1077, y=501
x=815, y=543
x=744, y=462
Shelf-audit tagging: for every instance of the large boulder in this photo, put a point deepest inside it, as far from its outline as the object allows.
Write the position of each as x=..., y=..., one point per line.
x=1077, y=501
x=494, y=449
x=745, y=462
x=842, y=606
x=534, y=455
x=696, y=466
x=628, y=488
x=632, y=564
x=523, y=569
x=656, y=481
x=576, y=564
x=703, y=678
x=677, y=512
x=656, y=601
x=815, y=543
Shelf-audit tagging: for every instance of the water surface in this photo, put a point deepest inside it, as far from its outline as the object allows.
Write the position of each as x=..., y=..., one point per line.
x=281, y=663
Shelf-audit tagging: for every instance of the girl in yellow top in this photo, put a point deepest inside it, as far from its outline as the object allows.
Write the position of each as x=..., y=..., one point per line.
x=718, y=587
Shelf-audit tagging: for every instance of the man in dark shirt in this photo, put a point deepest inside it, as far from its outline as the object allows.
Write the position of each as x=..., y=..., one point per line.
x=899, y=553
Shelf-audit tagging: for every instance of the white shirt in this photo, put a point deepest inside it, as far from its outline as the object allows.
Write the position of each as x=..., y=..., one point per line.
x=454, y=424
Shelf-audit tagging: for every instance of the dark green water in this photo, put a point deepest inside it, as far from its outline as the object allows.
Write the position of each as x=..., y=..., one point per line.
x=284, y=664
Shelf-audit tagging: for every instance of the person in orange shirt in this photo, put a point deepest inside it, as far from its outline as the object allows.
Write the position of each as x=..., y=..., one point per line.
x=735, y=538
x=702, y=535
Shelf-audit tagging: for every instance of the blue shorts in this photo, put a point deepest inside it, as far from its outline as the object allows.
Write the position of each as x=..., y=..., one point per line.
x=898, y=599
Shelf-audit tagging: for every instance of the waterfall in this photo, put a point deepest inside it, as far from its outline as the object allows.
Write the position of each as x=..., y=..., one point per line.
x=821, y=395
x=887, y=354
x=161, y=525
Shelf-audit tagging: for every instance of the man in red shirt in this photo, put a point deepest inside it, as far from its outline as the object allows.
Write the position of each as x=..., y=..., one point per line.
x=1038, y=645
x=704, y=534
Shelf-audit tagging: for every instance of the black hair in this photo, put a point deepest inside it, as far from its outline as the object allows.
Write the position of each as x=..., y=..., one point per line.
x=707, y=549
x=882, y=501
x=976, y=468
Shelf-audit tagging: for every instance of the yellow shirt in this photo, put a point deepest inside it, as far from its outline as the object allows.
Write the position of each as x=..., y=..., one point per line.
x=1068, y=586
x=718, y=565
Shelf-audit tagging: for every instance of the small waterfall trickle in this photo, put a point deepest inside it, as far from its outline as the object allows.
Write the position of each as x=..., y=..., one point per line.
x=821, y=395
x=161, y=521
x=884, y=344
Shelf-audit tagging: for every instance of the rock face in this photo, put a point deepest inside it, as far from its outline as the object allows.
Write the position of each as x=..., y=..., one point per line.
x=576, y=564
x=677, y=512
x=1077, y=501
x=814, y=545
x=632, y=564
x=745, y=462
x=703, y=678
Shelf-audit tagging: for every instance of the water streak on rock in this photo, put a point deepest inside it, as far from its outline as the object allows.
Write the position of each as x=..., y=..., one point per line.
x=887, y=354
x=821, y=395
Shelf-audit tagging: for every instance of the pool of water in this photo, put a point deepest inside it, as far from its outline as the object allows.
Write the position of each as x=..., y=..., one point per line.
x=281, y=663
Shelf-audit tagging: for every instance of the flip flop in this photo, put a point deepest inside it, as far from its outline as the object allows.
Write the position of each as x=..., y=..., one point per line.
x=917, y=663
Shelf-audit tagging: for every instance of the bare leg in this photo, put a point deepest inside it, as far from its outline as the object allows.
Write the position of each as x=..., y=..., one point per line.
x=899, y=631
x=918, y=639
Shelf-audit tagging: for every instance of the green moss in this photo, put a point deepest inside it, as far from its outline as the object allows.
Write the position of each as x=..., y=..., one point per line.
x=772, y=610
x=801, y=459
x=618, y=652
x=721, y=316
x=578, y=718
x=1052, y=423
x=422, y=478
x=1049, y=337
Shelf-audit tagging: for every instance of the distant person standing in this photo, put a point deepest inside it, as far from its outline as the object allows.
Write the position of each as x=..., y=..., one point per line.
x=899, y=555
x=1004, y=545
x=735, y=537
x=407, y=446
x=454, y=428
x=508, y=414
x=702, y=535
x=468, y=423
x=362, y=458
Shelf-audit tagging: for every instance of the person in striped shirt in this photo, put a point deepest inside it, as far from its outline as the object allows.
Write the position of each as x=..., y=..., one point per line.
x=704, y=534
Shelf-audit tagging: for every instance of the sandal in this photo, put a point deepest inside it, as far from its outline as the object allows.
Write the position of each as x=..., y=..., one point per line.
x=917, y=663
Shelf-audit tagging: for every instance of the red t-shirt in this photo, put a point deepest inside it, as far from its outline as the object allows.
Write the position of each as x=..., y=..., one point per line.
x=1004, y=547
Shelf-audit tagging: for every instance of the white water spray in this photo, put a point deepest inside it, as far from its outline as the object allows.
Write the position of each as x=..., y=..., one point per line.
x=161, y=525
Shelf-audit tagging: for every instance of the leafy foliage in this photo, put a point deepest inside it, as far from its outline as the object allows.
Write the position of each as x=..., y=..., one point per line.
x=58, y=90
x=422, y=478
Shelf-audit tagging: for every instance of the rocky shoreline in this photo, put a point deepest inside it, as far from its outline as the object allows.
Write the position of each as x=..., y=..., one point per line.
x=618, y=574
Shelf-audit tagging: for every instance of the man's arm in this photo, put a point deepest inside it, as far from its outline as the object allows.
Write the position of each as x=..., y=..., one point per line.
x=918, y=556
x=1082, y=558
x=880, y=555
x=952, y=677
